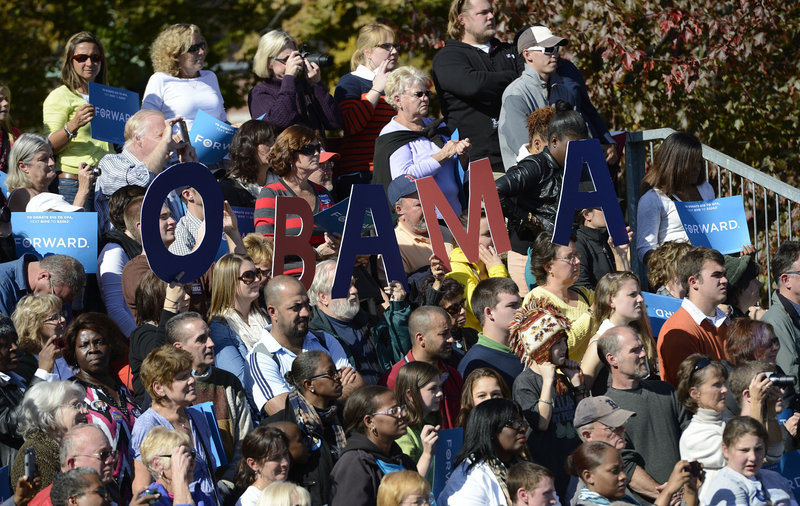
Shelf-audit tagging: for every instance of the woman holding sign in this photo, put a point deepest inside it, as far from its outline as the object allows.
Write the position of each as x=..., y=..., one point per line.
x=677, y=174
x=67, y=112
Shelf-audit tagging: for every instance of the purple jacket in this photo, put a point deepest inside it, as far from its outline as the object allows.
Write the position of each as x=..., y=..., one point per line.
x=285, y=102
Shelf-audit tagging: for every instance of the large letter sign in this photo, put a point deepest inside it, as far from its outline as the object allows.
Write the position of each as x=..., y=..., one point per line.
x=363, y=199
x=579, y=153
x=295, y=245
x=164, y=264
x=482, y=189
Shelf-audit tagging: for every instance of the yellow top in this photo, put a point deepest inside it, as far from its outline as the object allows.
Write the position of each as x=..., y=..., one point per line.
x=581, y=320
x=59, y=107
x=469, y=275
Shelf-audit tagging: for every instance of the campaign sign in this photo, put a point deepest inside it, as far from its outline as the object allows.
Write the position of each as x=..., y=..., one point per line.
x=659, y=308
x=206, y=410
x=719, y=224
x=3, y=187
x=244, y=219
x=332, y=219
x=73, y=234
x=113, y=107
x=447, y=447
x=789, y=465
x=211, y=138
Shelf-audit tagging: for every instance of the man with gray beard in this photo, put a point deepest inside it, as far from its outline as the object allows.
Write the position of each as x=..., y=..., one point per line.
x=412, y=229
x=366, y=339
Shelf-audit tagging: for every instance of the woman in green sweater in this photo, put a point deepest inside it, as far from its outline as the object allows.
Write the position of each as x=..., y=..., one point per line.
x=419, y=388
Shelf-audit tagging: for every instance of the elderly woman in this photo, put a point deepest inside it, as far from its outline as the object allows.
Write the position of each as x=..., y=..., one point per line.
x=93, y=343
x=413, y=144
x=292, y=91
x=248, y=171
x=7, y=132
x=167, y=376
x=360, y=96
x=557, y=269
x=40, y=324
x=169, y=458
x=32, y=168
x=46, y=413
x=294, y=157
x=179, y=87
x=66, y=113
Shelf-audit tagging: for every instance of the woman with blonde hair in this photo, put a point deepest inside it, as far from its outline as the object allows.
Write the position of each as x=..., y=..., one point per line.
x=292, y=91
x=403, y=487
x=180, y=87
x=31, y=169
x=284, y=493
x=236, y=321
x=66, y=112
x=618, y=301
x=40, y=325
x=360, y=96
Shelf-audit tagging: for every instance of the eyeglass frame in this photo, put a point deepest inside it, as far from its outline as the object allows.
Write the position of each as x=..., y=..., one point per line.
x=420, y=94
x=572, y=259
x=549, y=51
x=105, y=494
x=192, y=454
x=389, y=412
x=336, y=374
x=518, y=423
x=80, y=405
x=197, y=47
x=392, y=45
x=306, y=150
x=111, y=453
x=81, y=58
x=256, y=276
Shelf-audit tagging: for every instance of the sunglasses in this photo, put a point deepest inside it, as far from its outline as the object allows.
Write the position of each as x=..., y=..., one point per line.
x=80, y=58
x=331, y=375
x=249, y=277
x=281, y=60
x=420, y=94
x=516, y=425
x=192, y=454
x=545, y=50
x=103, y=455
x=455, y=309
x=196, y=47
x=310, y=149
x=388, y=46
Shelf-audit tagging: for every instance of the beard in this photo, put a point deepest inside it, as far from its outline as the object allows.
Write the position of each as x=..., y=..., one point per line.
x=421, y=227
x=345, y=309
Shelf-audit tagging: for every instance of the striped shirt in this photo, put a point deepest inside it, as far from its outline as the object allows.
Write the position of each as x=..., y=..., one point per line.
x=362, y=122
x=264, y=218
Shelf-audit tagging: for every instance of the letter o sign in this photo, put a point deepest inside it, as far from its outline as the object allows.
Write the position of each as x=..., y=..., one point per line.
x=167, y=265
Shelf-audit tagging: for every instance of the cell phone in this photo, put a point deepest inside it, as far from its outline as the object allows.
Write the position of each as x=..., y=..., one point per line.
x=695, y=469
x=152, y=491
x=30, y=463
x=60, y=343
x=184, y=131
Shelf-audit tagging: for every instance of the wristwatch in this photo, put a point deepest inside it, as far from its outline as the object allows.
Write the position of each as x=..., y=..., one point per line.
x=69, y=134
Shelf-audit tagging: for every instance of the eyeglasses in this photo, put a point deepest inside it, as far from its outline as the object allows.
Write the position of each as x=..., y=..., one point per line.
x=455, y=309
x=700, y=364
x=80, y=58
x=103, y=455
x=77, y=405
x=516, y=425
x=792, y=272
x=249, y=277
x=572, y=259
x=331, y=375
x=102, y=492
x=192, y=454
x=397, y=412
x=388, y=46
x=420, y=94
x=196, y=47
x=310, y=149
x=545, y=50
x=56, y=318
x=265, y=273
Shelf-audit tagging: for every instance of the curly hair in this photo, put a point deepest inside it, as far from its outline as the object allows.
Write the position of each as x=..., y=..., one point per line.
x=69, y=77
x=403, y=78
x=269, y=46
x=97, y=322
x=538, y=122
x=29, y=318
x=172, y=42
x=283, y=156
x=244, y=149
x=662, y=264
x=259, y=248
x=369, y=36
x=39, y=407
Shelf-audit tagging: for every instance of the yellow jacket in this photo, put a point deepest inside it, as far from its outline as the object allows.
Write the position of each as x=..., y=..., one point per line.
x=469, y=275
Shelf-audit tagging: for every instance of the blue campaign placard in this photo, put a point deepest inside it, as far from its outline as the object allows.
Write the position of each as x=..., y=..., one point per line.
x=332, y=219
x=447, y=447
x=3, y=187
x=206, y=410
x=720, y=224
x=211, y=138
x=113, y=107
x=244, y=219
x=659, y=308
x=73, y=234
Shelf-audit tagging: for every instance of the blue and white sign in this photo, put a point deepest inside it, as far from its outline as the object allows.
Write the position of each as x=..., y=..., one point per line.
x=720, y=224
x=789, y=465
x=206, y=410
x=113, y=107
x=244, y=220
x=211, y=138
x=659, y=308
x=332, y=219
x=447, y=447
x=73, y=234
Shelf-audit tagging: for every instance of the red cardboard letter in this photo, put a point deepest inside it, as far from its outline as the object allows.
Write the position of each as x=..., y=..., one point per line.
x=292, y=209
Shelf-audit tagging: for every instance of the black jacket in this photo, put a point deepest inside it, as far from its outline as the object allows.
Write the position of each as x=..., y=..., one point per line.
x=530, y=188
x=10, y=398
x=597, y=258
x=470, y=85
x=356, y=475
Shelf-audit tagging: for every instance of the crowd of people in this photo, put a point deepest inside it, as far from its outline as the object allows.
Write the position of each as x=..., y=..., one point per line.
x=543, y=357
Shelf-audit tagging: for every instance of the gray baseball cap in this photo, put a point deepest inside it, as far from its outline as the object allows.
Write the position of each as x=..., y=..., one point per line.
x=600, y=409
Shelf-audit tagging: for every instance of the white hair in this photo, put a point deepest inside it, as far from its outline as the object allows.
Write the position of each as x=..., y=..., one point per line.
x=39, y=407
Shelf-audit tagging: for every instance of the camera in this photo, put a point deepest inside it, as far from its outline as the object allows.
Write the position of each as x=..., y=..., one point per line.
x=96, y=172
x=695, y=469
x=781, y=381
x=321, y=59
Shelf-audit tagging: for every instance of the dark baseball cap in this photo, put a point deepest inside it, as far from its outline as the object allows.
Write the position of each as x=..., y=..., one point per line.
x=401, y=186
x=600, y=409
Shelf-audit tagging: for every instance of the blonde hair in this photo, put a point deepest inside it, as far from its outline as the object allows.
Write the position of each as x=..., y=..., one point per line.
x=402, y=79
x=28, y=318
x=369, y=36
x=284, y=493
x=225, y=281
x=172, y=42
x=162, y=366
x=69, y=77
x=160, y=441
x=258, y=247
x=395, y=487
x=455, y=28
x=269, y=46
x=23, y=150
x=136, y=126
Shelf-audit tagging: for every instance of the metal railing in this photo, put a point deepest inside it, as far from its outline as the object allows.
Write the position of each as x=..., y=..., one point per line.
x=769, y=202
